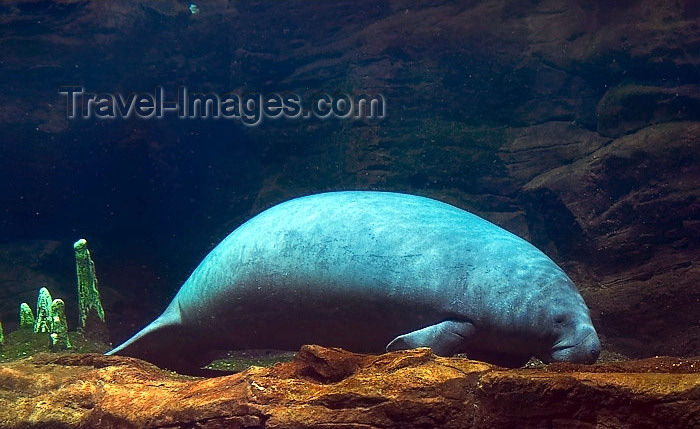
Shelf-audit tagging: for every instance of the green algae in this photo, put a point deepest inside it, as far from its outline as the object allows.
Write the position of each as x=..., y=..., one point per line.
x=24, y=343
x=240, y=360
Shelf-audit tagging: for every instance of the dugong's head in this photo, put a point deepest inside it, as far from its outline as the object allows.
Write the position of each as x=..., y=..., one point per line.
x=573, y=337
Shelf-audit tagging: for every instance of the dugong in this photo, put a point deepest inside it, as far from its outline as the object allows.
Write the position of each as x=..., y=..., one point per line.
x=372, y=271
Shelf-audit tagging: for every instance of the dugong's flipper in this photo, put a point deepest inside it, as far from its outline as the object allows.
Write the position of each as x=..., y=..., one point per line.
x=445, y=338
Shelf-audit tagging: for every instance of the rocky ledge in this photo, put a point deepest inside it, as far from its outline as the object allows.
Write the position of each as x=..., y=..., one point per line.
x=332, y=388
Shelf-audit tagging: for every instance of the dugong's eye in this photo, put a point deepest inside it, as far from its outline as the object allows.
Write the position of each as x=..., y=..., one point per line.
x=560, y=319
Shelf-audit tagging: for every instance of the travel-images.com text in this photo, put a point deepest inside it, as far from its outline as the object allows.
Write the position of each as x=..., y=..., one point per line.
x=250, y=108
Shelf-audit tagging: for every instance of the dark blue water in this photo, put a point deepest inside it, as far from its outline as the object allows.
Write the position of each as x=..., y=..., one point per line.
x=460, y=80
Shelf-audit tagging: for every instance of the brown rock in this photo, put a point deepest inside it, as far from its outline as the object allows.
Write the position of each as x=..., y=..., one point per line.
x=533, y=150
x=332, y=388
x=627, y=108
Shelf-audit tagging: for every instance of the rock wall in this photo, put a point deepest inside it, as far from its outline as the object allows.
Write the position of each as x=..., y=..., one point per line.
x=574, y=124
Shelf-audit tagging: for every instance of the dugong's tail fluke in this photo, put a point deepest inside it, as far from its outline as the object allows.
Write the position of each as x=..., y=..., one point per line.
x=138, y=344
x=164, y=342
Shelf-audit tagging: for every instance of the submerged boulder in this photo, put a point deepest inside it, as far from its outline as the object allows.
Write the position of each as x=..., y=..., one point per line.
x=333, y=388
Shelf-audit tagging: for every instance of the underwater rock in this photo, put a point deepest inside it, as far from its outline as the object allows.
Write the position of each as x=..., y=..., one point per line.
x=26, y=317
x=325, y=388
x=42, y=323
x=59, y=326
x=536, y=149
x=627, y=107
x=92, y=316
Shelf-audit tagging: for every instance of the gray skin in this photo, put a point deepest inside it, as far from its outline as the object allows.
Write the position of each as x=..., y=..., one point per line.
x=369, y=272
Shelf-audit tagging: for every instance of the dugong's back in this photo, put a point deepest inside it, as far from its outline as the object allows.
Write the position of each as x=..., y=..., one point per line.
x=356, y=270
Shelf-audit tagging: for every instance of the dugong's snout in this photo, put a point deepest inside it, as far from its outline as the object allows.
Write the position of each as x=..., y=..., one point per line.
x=585, y=351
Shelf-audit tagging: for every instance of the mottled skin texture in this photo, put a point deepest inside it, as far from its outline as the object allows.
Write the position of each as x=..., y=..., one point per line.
x=370, y=271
